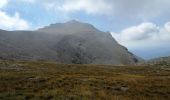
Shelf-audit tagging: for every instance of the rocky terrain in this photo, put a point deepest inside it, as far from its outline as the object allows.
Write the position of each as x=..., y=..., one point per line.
x=70, y=42
x=160, y=61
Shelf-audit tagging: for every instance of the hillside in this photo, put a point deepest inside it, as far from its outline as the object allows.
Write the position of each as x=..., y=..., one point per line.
x=162, y=61
x=70, y=42
x=52, y=81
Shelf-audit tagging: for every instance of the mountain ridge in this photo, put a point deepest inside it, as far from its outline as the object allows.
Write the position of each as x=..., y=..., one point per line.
x=72, y=26
x=70, y=42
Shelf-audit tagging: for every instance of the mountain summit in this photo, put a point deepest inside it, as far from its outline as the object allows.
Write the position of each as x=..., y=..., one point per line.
x=69, y=27
x=70, y=42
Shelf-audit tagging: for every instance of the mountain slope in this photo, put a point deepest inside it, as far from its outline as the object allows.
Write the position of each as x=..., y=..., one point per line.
x=70, y=42
x=163, y=61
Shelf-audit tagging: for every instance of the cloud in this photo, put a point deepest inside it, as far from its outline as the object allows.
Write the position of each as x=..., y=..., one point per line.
x=113, y=10
x=29, y=1
x=167, y=26
x=140, y=32
x=14, y=22
x=145, y=35
x=122, y=8
x=3, y=3
x=88, y=6
x=141, y=8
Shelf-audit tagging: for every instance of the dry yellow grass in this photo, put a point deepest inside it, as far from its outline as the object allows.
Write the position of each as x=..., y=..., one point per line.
x=51, y=81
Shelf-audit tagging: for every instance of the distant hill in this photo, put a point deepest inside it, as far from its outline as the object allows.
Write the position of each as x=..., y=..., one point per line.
x=70, y=42
x=165, y=61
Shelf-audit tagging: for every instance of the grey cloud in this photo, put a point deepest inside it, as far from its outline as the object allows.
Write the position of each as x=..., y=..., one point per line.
x=141, y=8
x=120, y=8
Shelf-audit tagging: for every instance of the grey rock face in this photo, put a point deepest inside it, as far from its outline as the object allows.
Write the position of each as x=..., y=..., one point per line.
x=70, y=42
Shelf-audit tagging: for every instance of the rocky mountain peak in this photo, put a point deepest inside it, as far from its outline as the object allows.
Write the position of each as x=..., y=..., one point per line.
x=69, y=42
x=69, y=27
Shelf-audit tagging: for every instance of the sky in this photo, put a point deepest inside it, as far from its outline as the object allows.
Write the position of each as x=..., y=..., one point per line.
x=143, y=26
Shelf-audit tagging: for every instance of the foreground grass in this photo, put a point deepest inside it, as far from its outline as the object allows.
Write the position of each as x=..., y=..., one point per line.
x=51, y=81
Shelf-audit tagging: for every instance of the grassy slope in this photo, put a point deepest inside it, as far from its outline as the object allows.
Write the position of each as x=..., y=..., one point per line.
x=45, y=81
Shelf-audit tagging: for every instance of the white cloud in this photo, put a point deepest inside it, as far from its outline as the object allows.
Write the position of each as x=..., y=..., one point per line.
x=121, y=8
x=29, y=1
x=142, y=31
x=88, y=6
x=144, y=35
x=3, y=3
x=167, y=26
x=118, y=9
x=12, y=22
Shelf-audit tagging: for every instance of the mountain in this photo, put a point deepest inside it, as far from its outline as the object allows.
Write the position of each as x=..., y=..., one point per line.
x=70, y=42
x=70, y=27
x=163, y=61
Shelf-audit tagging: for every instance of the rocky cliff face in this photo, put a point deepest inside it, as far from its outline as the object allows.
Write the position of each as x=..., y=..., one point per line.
x=70, y=42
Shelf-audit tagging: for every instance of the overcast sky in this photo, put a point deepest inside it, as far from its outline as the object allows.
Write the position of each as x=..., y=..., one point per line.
x=143, y=26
